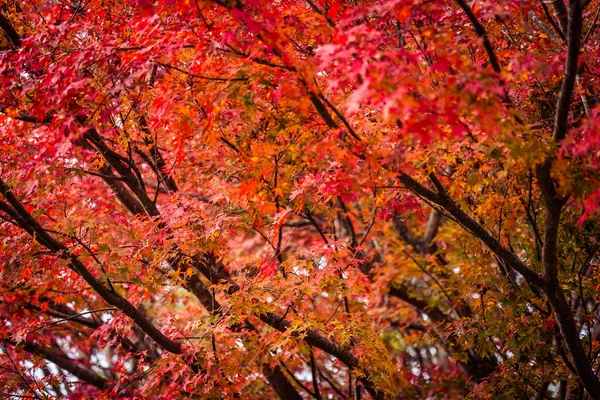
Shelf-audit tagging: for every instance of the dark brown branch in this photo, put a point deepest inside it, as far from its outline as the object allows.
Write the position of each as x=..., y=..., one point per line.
x=229, y=144
x=347, y=223
x=215, y=271
x=62, y=311
x=591, y=27
x=328, y=346
x=401, y=292
x=341, y=117
x=422, y=246
x=295, y=379
x=316, y=9
x=276, y=378
x=66, y=313
x=124, y=169
x=332, y=385
x=257, y=60
x=322, y=110
x=157, y=163
x=74, y=317
x=566, y=91
x=405, y=233
x=280, y=383
x=433, y=225
x=561, y=14
x=570, y=333
x=468, y=223
x=180, y=263
x=477, y=366
x=551, y=20
x=63, y=362
x=208, y=78
x=298, y=224
x=315, y=379
x=30, y=225
x=551, y=221
x=10, y=32
x=553, y=290
x=207, y=264
x=26, y=117
x=124, y=195
x=482, y=33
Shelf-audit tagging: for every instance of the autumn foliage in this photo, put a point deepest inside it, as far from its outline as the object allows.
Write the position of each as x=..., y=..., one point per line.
x=299, y=199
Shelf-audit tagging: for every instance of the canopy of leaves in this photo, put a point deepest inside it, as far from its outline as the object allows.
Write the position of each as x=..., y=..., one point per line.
x=305, y=199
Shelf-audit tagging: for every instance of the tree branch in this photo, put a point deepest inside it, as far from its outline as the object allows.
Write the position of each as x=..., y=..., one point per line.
x=124, y=169
x=566, y=91
x=328, y=346
x=433, y=225
x=561, y=14
x=119, y=189
x=10, y=32
x=29, y=224
x=63, y=362
x=474, y=227
x=280, y=383
x=482, y=33
x=556, y=28
x=401, y=292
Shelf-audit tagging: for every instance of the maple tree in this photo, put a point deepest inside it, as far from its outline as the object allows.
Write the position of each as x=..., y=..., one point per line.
x=302, y=199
